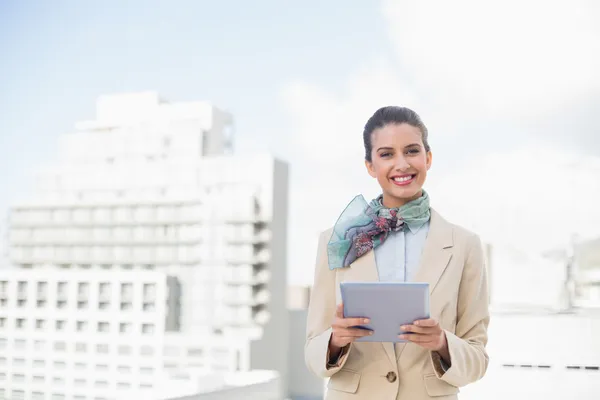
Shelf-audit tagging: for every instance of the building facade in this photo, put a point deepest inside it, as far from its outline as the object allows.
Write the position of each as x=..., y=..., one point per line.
x=150, y=190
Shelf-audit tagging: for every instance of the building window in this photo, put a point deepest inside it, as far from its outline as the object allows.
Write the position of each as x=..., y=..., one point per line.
x=103, y=327
x=124, y=369
x=18, y=378
x=3, y=303
x=41, y=303
x=61, y=304
x=145, y=386
x=171, y=351
x=60, y=325
x=80, y=347
x=149, y=290
x=18, y=362
x=2, y=343
x=42, y=289
x=21, y=303
x=21, y=323
x=2, y=322
x=38, y=396
x=57, y=380
x=39, y=363
x=39, y=345
x=104, y=289
x=195, y=352
x=149, y=306
x=147, y=370
x=22, y=288
x=125, y=327
x=147, y=350
x=126, y=306
x=58, y=396
x=147, y=329
x=79, y=366
x=101, y=367
x=123, y=385
x=79, y=382
x=126, y=290
x=18, y=394
x=81, y=326
x=40, y=324
x=38, y=379
x=2, y=376
x=20, y=344
x=124, y=350
x=61, y=288
x=59, y=364
x=82, y=305
x=101, y=384
x=83, y=289
x=102, y=348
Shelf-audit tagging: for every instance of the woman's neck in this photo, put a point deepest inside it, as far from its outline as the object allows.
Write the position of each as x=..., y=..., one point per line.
x=397, y=202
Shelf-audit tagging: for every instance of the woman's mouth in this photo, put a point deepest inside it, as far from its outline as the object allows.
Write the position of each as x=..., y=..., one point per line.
x=402, y=180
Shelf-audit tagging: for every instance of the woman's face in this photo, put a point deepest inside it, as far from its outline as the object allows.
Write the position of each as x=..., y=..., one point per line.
x=399, y=163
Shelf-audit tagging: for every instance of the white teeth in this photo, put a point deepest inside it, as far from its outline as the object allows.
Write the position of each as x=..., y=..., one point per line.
x=403, y=179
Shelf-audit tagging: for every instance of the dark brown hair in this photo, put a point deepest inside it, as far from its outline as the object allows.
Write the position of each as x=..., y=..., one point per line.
x=392, y=115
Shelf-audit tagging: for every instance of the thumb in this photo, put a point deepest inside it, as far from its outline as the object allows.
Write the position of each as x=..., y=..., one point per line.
x=339, y=310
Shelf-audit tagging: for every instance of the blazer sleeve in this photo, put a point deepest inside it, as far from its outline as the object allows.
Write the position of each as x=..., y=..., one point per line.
x=468, y=356
x=321, y=310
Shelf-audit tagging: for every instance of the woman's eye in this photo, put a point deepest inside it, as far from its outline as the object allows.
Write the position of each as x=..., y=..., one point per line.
x=413, y=151
x=385, y=154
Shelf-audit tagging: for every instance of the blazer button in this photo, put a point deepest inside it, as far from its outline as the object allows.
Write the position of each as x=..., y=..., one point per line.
x=391, y=376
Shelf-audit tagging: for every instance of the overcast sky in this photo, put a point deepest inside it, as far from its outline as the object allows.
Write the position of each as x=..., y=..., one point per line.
x=509, y=91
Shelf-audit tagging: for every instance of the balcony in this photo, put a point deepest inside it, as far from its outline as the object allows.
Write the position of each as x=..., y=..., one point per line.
x=104, y=296
x=239, y=301
x=262, y=317
x=262, y=297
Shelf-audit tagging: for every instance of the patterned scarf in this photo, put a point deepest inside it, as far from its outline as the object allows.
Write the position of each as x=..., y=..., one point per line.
x=362, y=227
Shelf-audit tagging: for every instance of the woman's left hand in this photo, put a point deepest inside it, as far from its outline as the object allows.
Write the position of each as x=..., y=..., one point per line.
x=426, y=333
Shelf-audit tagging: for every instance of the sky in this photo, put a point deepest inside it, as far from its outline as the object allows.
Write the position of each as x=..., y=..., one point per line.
x=509, y=91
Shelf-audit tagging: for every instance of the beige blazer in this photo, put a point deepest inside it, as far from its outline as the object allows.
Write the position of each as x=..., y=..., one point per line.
x=453, y=264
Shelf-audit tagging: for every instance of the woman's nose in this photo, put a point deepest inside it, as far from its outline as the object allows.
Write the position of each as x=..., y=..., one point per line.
x=402, y=164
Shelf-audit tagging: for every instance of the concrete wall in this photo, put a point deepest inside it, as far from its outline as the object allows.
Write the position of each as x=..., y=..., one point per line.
x=271, y=351
x=303, y=385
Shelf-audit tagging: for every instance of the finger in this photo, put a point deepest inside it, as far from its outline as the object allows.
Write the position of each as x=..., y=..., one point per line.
x=339, y=311
x=350, y=322
x=426, y=322
x=417, y=338
x=419, y=329
x=353, y=333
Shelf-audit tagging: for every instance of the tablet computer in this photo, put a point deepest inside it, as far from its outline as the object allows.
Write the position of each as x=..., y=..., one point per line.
x=387, y=304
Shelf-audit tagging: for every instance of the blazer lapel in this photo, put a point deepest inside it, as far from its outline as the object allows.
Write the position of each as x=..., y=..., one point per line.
x=434, y=259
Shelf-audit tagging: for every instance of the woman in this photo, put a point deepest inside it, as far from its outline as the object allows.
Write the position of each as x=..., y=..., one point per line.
x=405, y=240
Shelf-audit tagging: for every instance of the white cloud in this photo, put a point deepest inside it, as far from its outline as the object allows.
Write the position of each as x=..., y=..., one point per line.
x=530, y=198
x=515, y=57
x=487, y=82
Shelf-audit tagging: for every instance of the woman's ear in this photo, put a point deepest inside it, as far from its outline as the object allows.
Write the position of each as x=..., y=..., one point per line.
x=429, y=157
x=370, y=168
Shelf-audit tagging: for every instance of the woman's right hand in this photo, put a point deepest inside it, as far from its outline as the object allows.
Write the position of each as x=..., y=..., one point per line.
x=343, y=333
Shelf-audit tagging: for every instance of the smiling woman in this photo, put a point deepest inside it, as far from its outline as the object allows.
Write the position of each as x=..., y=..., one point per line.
x=399, y=237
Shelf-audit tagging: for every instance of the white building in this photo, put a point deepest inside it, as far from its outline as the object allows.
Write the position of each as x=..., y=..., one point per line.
x=148, y=194
x=82, y=334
